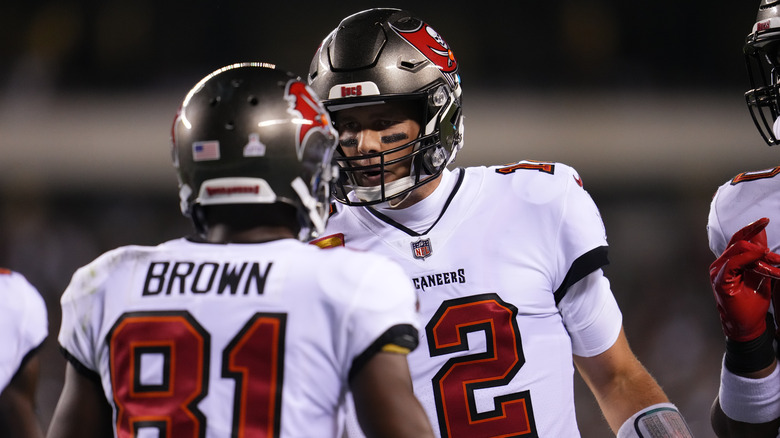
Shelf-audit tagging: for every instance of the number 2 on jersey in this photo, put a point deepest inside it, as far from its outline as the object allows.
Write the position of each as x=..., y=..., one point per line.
x=455, y=383
x=180, y=348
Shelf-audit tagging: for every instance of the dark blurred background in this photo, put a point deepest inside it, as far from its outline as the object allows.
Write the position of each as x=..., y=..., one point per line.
x=645, y=99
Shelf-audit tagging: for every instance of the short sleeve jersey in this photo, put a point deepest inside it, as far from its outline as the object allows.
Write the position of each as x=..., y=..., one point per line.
x=221, y=339
x=23, y=323
x=745, y=198
x=495, y=358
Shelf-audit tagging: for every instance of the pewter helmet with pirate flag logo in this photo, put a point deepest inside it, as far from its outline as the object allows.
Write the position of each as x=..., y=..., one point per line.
x=380, y=55
x=249, y=133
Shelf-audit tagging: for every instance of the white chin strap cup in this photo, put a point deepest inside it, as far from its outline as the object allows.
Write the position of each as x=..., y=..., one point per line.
x=776, y=128
x=375, y=193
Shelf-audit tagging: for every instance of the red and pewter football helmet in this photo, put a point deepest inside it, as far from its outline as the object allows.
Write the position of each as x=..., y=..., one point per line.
x=251, y=134
x=763, y=61
x=379, y=55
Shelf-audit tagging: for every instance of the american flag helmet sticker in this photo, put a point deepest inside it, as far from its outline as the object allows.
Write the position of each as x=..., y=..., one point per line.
x=205, y=150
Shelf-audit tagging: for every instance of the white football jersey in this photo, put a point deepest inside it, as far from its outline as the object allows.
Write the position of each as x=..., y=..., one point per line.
x=223, y=340
x=745, y=198
x=495, y=358
x=23, y=323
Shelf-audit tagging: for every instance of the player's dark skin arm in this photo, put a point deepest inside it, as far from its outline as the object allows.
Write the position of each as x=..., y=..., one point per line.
x=17, y=404
x=385, y=403
x=82, y=410
x=725, y=427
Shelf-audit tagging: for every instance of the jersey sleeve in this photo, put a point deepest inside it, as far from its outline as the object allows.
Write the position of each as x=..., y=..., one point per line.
x=715, y=234
x=591, y=315
x=82, y=311
x=582, y=239
x=588, y=307
x=23, y=323
x=740, y=201
x=383, y=314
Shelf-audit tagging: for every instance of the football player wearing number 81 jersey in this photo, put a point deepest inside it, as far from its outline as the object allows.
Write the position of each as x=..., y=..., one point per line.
x=241, y=330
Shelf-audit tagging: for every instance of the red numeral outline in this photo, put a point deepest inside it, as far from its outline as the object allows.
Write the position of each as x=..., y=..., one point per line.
x=456, y=381
x=254, y=358
x=527, y=165
x=172, y=405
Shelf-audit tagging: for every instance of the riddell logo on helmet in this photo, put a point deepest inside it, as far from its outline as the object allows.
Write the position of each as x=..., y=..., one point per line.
x=355, y=91
x=764, y=25
x=217, y=191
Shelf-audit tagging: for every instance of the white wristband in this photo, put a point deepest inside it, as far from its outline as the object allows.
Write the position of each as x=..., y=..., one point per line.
x=661, y=420
x=750, y=400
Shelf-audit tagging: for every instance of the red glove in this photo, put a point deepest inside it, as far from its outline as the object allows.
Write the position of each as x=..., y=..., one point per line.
x=741, y=283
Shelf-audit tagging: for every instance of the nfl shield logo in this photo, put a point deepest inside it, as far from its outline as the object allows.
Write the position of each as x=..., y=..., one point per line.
x=421, y=249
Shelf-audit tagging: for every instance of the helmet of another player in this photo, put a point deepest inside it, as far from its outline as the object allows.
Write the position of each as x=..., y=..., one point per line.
x=761, y=55
x=251, y=134
x=383, y=55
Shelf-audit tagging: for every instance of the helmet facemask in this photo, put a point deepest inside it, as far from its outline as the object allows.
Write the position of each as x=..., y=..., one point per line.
x=763, y=66
x=314, y=186
x=763, y=99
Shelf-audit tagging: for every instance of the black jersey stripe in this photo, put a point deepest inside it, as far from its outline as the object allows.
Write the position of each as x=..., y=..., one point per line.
x=584, y=265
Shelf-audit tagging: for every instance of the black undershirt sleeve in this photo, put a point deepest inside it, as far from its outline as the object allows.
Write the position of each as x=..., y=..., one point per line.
x=80, y=367
x=401, y=338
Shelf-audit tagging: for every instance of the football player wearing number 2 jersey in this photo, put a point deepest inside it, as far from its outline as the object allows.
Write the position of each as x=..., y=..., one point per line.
x=744, y=234
x=242, y=330
x=506, y=260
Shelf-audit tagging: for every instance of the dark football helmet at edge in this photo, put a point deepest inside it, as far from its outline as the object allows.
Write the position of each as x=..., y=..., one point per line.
x=763, y=61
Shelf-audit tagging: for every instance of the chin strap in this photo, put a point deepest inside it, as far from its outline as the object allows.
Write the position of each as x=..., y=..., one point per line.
x=391, y=188
x=399, y=200
x=661, y=420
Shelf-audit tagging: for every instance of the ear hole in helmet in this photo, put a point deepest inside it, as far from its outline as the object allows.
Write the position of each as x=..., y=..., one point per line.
x=252, y=100
x=411, y=65
x=214, y=101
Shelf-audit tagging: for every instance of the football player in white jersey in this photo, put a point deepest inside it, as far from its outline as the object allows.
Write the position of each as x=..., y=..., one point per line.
x=242, y=330
x=744, y=234
x=23, y=328
x=506, y=260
